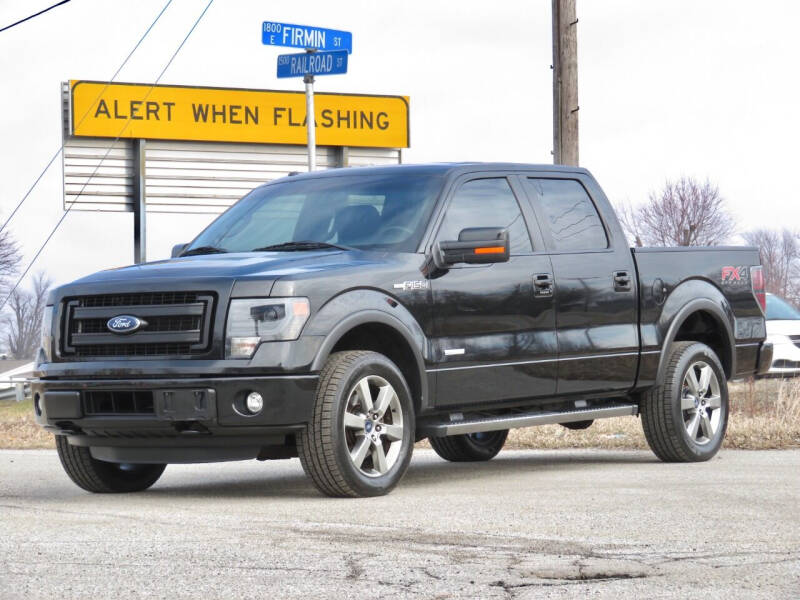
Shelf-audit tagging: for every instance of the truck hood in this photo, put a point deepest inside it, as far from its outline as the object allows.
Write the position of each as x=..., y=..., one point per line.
x=245, y=265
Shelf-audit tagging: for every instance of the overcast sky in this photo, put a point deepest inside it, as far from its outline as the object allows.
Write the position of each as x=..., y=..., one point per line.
x=667, y=88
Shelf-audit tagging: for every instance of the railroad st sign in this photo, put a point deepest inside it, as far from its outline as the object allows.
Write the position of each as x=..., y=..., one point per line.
x=305, y=36
x=312, y=63
x=171, y=112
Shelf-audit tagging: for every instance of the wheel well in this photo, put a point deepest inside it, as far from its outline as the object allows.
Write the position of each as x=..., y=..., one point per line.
x=386, y=340
x=703, y=327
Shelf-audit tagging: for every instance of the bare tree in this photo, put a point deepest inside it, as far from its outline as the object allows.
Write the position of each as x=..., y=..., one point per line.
x=685, y=212
x=9, y=257
x=24, y=323
x=780, y=257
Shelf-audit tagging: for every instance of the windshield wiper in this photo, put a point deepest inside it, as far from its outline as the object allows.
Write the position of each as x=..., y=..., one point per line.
x=204, y=250
x=301, y=245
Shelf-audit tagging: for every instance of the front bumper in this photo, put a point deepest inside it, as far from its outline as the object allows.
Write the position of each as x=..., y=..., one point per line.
x=785, y=359
x=190, y=420
x=765, y=358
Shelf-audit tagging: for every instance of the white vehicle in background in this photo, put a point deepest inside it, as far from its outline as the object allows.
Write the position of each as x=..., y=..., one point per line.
x=783, y=331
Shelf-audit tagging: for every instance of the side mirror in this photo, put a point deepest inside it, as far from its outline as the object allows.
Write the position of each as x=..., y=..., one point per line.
x=178, y=249
x=475, y=246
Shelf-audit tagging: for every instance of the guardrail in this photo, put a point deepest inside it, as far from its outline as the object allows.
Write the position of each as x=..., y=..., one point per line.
x=16, y=388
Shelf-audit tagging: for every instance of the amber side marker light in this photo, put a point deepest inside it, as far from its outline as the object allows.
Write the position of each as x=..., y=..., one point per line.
x=490, y=250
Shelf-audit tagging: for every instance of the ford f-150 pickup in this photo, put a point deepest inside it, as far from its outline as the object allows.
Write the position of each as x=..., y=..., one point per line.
x=344, y=315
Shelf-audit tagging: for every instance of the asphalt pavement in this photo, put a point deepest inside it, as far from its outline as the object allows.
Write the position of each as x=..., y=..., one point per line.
x=529, y=524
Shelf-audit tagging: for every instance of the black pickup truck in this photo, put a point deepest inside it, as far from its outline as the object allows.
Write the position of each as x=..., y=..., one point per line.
x=343, y=315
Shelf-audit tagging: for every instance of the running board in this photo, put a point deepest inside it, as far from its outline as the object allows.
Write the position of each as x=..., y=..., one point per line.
x=527, y=420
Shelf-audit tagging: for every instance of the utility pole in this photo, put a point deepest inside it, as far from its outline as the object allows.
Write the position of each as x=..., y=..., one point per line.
x=565, y=83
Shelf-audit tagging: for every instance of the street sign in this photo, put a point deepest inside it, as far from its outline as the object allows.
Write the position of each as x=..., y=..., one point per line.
x=304, y=36
x=313, y=39
x=312, y=63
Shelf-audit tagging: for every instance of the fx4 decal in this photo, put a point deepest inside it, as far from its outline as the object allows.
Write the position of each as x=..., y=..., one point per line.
x=736, y=275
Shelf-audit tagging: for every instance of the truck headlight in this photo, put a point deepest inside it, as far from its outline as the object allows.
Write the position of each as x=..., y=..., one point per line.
x=47, y=332
x=255, y=320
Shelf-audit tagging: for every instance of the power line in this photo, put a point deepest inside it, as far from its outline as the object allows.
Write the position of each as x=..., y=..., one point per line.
x=124, y=127
x=61, y=147
x=41, y=12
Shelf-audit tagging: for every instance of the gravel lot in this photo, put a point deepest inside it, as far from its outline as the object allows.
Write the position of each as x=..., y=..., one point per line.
x=565, y=523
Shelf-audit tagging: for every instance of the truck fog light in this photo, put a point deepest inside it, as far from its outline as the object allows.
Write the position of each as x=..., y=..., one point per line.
x=254, y=402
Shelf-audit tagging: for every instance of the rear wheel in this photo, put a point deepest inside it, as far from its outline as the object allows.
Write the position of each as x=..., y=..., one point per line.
x=361, y=435
x=104, y=477
x=470, y=447
x=685, y=418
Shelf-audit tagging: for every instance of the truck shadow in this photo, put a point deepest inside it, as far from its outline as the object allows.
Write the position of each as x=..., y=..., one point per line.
x=441, y=472
x=426, y=471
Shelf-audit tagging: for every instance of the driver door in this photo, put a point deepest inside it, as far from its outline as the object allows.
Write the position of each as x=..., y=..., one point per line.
x=494, y=330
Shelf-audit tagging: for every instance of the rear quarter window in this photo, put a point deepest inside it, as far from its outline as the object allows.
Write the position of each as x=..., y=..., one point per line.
x=569, y=215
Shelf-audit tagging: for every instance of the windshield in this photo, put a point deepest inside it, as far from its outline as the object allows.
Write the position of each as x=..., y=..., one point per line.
x=780, y=310
x=383, y=212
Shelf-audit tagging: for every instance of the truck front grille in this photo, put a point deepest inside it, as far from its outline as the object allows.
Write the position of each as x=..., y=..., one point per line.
x=172, y=324
x=184, y=323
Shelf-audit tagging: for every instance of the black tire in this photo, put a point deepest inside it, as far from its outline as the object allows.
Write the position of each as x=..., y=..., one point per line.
x=578, y=425
x=665, y=423
x=470, y=447
x=326, y=444
x=103, y=477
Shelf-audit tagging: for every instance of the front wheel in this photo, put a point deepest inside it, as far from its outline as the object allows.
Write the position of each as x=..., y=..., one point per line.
x=361, y=435
x=104, y=477
x=470, y=447
x=685, y=418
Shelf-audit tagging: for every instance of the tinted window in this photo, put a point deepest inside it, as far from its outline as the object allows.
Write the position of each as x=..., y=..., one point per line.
x=570, y=215
x=384, y=212
x=486, y=203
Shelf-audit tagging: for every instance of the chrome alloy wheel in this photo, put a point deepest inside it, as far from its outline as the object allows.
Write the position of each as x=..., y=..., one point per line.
x=701, y=403
x=373, y=426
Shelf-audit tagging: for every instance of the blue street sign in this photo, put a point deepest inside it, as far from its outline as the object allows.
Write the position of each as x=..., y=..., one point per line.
x=312, y=63
x=303, y=36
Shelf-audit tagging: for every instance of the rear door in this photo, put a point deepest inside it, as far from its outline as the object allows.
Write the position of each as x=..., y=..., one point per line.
x=494, y=329
x=596, y=306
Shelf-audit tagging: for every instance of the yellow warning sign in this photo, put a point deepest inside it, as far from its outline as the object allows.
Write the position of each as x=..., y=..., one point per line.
x=171, y=112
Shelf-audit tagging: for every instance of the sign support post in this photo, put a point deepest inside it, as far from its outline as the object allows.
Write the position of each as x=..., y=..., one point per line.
x=139, y=203
x=311, y=123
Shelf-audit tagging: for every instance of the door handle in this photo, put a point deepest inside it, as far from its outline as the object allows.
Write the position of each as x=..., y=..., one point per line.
x=622, y=281
x=543, y=284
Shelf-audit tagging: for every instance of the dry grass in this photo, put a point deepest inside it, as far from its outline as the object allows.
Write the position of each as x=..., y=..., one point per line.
x=18, y=429
x=765, y=414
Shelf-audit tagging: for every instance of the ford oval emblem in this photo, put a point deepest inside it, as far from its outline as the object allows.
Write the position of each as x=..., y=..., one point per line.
x=123, y=324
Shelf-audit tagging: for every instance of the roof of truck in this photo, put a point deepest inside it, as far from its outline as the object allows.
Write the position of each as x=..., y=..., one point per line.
x=442, y=168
